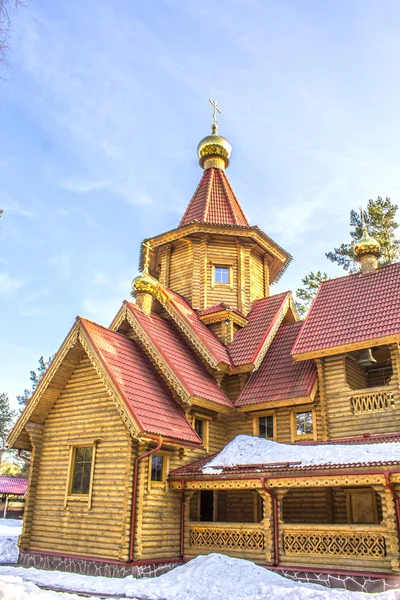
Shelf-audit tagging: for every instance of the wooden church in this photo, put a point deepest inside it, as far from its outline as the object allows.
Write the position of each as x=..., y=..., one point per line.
x=126, y=419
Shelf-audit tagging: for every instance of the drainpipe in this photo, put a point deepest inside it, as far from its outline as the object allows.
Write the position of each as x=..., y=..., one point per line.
x=182, y=539
x=275, y=513
x=391, y=489
x=134, y=495
x=25, y=458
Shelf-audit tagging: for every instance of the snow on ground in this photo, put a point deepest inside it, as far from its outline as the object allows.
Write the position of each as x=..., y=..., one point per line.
x=212, y=577
x=10, y=529
x=248, y=450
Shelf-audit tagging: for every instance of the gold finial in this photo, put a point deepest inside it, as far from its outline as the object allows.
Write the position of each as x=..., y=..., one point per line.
x=148, y=247
x=214, y=150
x=367, y=249
x=216, y=108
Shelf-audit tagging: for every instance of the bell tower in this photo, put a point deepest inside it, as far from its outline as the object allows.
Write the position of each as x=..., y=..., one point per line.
x=214, y=255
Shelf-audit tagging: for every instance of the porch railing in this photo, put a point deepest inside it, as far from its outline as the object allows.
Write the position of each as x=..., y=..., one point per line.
x=334, y=540
x=372, y=400
x=228, y=536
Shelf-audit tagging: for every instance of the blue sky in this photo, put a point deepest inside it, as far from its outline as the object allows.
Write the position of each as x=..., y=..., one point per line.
x=101, y=114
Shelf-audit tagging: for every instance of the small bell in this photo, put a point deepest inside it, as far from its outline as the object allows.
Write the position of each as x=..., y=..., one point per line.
x=366, y=359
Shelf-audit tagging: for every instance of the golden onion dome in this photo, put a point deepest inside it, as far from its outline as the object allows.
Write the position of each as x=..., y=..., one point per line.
x=367, y=245
x=214, y=146
x=144, y=283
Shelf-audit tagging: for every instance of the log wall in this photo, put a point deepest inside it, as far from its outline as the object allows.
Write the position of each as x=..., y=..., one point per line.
x=83, y=411
x=342, y=384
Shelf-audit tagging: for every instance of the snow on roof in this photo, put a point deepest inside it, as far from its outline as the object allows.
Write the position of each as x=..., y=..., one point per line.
x=247, y=450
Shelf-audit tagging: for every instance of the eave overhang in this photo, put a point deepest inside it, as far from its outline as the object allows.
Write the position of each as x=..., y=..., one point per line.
x=334, y=350
x=280, y=259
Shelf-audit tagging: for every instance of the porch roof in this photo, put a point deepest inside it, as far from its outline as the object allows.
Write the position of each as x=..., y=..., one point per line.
x=13, y=485
x=216, y=466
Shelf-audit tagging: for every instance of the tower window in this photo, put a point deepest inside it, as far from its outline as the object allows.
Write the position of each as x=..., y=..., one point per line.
x=221, y=274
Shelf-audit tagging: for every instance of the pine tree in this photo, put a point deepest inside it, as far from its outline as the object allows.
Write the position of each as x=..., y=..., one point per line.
x=305, y=295
x=381, y=224
x=6, y=420
x=35, y=377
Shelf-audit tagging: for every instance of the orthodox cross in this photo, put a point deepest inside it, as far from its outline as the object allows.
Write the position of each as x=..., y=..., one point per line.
x=146, y=256
x=363, y=223
x=216, y=108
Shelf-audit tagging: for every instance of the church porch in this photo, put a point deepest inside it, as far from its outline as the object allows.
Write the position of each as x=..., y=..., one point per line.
x=337, y=523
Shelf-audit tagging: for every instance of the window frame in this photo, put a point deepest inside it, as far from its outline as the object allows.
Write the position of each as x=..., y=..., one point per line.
x=256, y=424
x=206, y=427
x=69, y=496
x=214, y=282
x=165, y=468
x=293, y=424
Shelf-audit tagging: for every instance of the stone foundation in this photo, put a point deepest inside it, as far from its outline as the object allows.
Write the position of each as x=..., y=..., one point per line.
x=353, y=583
x=93, y=567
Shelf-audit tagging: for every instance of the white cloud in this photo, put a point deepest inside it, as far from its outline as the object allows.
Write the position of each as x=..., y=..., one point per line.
x=9, y=284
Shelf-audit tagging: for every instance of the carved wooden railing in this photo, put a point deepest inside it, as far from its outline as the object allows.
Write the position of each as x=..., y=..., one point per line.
x=228, y=536
x=371, y=401
x=334, y=540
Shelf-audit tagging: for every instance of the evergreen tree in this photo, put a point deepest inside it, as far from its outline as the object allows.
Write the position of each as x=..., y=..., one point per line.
x=35, y=377
x=305, y=295
x=6, y=420
x=381, y=224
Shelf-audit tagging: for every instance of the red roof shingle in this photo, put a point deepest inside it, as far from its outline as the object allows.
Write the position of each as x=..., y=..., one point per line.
x=351, y=309
x=146, y=396
x=13, y=485
x=187, y=367
x=219, y=307
x=192, y=319
x=280, y=377
x=214, y=202
x=248, y=341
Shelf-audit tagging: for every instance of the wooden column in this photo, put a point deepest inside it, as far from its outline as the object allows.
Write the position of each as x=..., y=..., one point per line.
x=390, y=521
x=268, y=526
x=266, y=275
x=35, y=432
x=321, y=386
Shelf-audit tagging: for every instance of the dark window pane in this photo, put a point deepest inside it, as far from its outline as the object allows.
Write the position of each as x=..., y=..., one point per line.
x=304, y=423
x=157, y=468
x=221, y=275
x=199, y=428
x=82, y=470
x=266, y=427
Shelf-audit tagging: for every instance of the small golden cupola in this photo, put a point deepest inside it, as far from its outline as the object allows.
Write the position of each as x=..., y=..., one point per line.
x=367, y=251
x=214, y=151
x=144, y=285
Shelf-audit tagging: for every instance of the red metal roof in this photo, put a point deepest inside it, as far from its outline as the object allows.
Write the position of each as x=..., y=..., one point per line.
x=214, y=202
x=350, y=309
x=187, y=367
x=219, y=307
x=13, y=485
x=279, y=376
x=248, y=341
x=192, y=319
x=146, y=396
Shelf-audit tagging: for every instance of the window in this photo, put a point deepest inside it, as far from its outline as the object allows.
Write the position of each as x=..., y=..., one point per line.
x=82, y=470
x=221, y=275
x=264, y=425
x=303, y=425
x=201, y=426
x=157, y=468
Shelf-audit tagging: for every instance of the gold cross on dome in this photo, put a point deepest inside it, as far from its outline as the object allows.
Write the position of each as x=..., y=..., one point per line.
x=148, y=247
x=216, y=108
